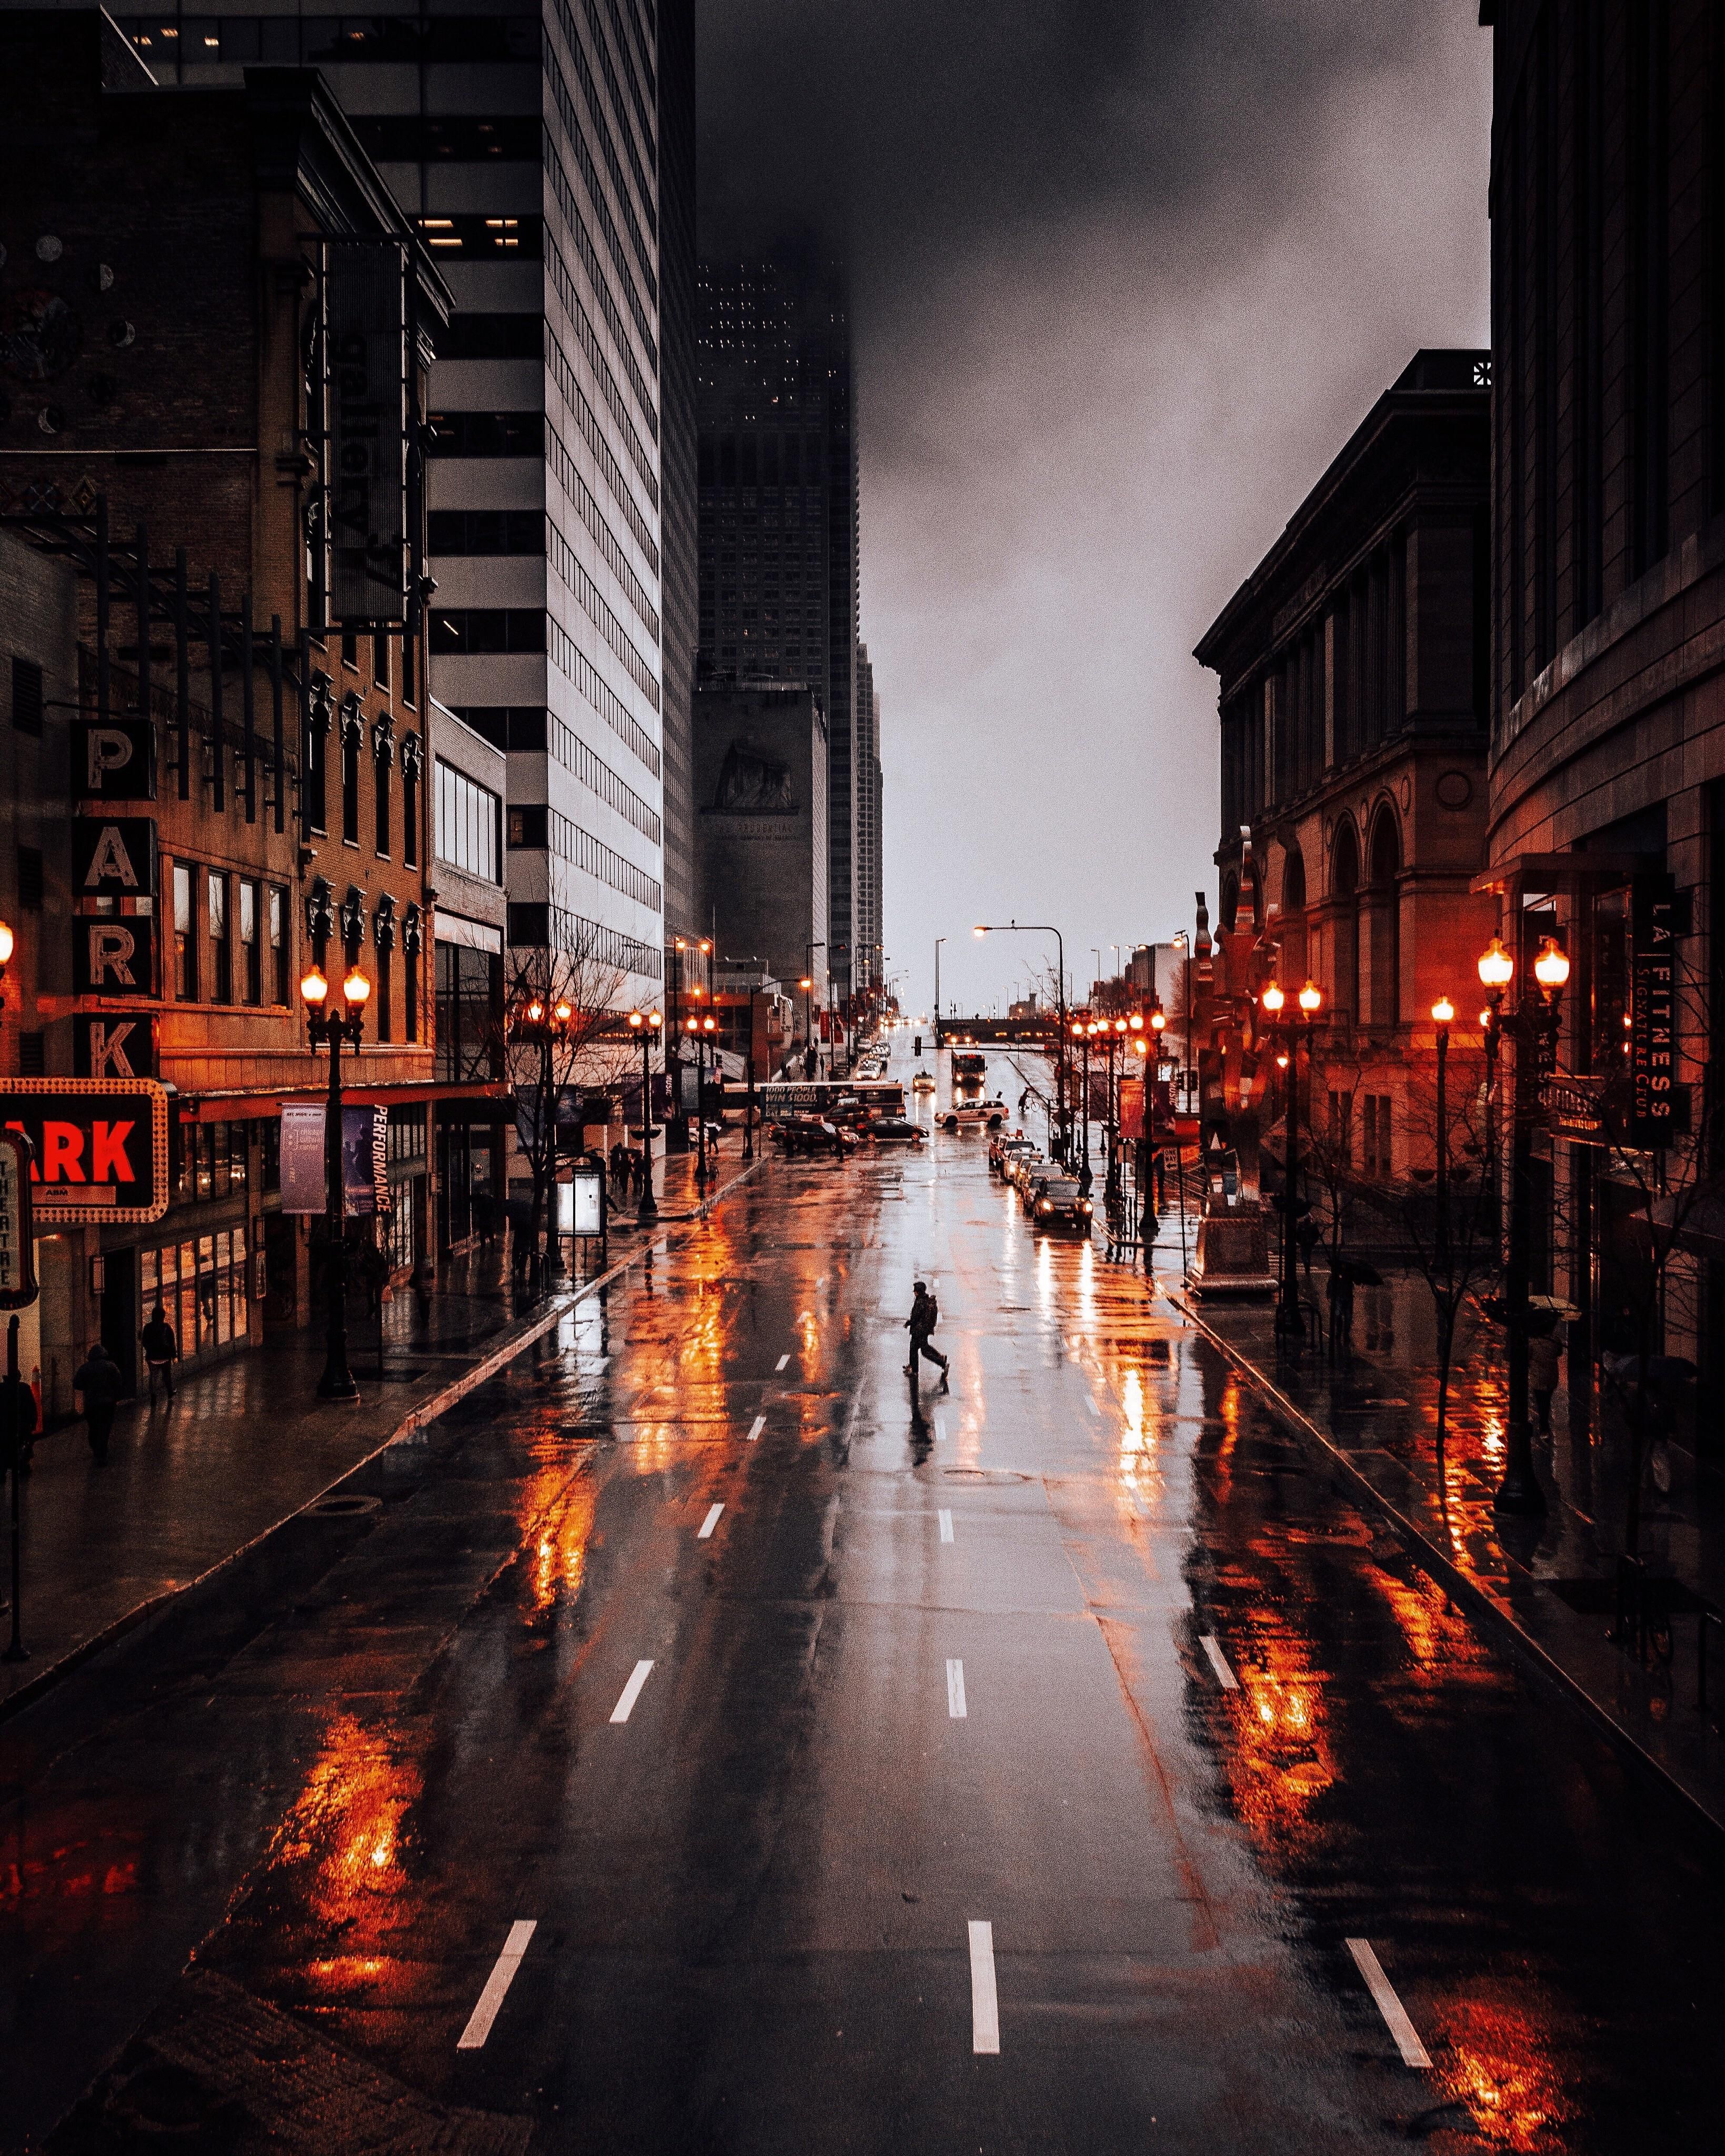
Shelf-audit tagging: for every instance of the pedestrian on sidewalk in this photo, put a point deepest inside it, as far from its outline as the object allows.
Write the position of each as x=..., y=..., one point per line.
x=374, y=1272
x=1307, y=1233
x=161, y=1351
x=1543, y=1350
x=925, y=1316
x=637, y=1171
x=96, y=1387
x=485, y=1217
x=1341, y=1292
x=425, y=1284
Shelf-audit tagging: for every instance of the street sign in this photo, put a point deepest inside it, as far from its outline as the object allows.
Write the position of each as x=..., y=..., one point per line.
x=1652, y=1016
x=114, y=958
x=113, y=857
x=18, y=1247
x=101, y=1146
x=114, y=759
x=113, y=1046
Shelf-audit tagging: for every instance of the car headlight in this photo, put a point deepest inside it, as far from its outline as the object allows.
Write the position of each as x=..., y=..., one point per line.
x=1045, y=1207
x=1084, y=1206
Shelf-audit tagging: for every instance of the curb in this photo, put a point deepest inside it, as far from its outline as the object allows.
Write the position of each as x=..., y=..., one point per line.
x=1467, y=1593
x=428, y=1411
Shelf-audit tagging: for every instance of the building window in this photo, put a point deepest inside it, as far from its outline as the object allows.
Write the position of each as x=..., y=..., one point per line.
x=280, y=986
x=487, y=531
x=350, y=781
x=315, y=782
x=458, y=632
x=27, y=699
x=1378, y=1161
x=380, y=659
x=410, y=803
x=251, y=951
x=221, y=947
x=385, y=984
x=185, y=934
x=485, y=434
x=470, y=1008
x=467, y=816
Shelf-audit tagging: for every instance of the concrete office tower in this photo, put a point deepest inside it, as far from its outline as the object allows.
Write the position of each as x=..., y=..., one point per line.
x=678, y=371
x=526, y=147
x=869, y=935
x=778, y=522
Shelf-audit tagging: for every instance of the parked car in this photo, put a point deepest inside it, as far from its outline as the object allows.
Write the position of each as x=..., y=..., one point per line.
x=1004, y=1150
x=1060, y=1209
x=1024, y=1168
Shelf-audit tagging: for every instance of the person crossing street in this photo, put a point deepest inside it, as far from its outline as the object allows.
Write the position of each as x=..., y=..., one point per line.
x=925, y=1316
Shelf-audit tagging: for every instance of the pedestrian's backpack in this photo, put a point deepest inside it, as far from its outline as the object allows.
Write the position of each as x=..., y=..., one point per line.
x=933, y=1313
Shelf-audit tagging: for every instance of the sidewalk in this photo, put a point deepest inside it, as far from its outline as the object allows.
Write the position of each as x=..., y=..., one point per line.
x=1545, y=1586
x=247, y=1445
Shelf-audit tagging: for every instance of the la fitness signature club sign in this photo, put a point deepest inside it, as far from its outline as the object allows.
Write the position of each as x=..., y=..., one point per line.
x=100, y=1148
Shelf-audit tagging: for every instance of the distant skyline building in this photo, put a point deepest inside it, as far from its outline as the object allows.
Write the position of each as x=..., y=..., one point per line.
x=526, y=147
x=871, y=958
x=779, y=530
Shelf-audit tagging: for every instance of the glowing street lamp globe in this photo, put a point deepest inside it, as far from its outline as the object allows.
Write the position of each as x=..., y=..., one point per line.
x=1498, y=969
x=1311, y=998
x=1551, y=968
x=1443, y=1011
x=1273, y=999
x=356, y=989
x=313, y=988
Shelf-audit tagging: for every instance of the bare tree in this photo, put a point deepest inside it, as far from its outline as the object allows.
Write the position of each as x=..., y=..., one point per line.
x=563, y=1028
x=1447, y=1208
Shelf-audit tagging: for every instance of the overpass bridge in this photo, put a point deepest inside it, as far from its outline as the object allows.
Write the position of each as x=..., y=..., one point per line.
x=1040, y=1031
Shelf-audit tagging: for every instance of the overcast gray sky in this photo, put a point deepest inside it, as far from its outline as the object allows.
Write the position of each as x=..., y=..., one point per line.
x=1126, y=278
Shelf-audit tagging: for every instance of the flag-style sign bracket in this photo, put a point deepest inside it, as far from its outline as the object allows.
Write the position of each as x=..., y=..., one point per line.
x=17, y=1244
x=100, y=1147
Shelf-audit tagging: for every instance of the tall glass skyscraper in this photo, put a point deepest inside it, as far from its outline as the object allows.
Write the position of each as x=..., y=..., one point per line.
x=779, y=522
x=548, y=158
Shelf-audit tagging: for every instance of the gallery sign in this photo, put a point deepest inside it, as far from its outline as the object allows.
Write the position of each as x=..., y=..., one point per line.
x=100, y=1148
x=18, y=1251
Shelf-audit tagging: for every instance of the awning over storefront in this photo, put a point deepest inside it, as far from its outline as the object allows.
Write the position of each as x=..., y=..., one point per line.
x=238, y=1107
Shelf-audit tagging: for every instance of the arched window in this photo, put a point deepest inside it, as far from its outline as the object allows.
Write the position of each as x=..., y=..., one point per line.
x=1294, y=961
x=1230, y=903
x=1344, y=895
x=1383, y=914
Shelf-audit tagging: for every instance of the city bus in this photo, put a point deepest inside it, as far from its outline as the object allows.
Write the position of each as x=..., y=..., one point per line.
x=819, y=1097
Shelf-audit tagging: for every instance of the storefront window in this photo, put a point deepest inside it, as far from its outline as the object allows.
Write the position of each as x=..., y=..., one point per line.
x=203, y=1288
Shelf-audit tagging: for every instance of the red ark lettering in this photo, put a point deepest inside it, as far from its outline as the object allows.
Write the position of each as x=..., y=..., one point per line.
x=108, y=1162
x=61, y=1154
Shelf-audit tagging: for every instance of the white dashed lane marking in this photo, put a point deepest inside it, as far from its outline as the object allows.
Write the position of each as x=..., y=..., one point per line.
x=984, y=2000
x=783, y=1363
x=946, y=1520
x=1218, y=1662
x=956, y=1708
x=484, y=2013
x=625, y=1705
x=755, y=1427
x=1395, y=2015
x=704, y=1533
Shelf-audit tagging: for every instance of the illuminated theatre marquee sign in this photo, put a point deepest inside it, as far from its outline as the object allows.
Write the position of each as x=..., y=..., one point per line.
x=100, y=1148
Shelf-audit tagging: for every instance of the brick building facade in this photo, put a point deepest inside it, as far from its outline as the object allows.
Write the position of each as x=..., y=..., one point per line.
x=171, y=264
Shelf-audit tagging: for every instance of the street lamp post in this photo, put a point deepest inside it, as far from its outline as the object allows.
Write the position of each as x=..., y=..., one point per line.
x=1443, y=1014
x=329, y=1030
x=1275, y=1002
x=1533, y=1026
x=647, y=1024
x=938, y=941
x=1044, y=928
x=703, y=1029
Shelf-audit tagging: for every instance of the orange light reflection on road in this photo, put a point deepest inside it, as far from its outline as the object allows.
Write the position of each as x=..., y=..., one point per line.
x=1494, y=2063
x=556, y=1512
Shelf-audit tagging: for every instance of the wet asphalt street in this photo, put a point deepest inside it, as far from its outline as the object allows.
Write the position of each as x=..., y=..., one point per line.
x=701, y=1748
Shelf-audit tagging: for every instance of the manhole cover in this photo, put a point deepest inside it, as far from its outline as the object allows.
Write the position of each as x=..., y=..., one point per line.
x=342, y=1509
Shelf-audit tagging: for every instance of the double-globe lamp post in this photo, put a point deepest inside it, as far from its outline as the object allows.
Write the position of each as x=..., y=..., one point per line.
x=1275, y=1002
x=1533, y=1026
x=647, y=1024
x=329, y=1028
x=701, y=1031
